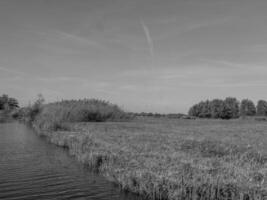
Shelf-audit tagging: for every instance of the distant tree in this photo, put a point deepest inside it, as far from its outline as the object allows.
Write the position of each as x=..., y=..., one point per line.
x=5, y=98
x=216, y=106
x=150, y=114
x=205, y=109
x=1, y=104
x=13, y=103
x=3, y=101
x=195, y=110
x=36, y=108
x=7, y=103
x=202, y=110
x=262, y=108
x=230, y=108
x=224, y=109
x=247, y=108
x=40, y=100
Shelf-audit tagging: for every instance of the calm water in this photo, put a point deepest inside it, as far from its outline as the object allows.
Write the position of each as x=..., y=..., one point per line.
x=31, y=168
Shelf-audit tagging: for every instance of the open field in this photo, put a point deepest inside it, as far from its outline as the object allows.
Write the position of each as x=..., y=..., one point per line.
x=175, y=159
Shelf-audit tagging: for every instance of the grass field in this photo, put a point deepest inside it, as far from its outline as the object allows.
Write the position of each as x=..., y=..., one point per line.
x=174, y=158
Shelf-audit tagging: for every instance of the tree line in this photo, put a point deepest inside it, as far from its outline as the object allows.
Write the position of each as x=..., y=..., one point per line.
x=8, y=103
x=229, y=108
x=157, y=115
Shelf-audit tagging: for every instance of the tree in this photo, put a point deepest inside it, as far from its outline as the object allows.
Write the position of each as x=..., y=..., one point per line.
x=36, y=108
x=3, y=101
x=224, y=109
x=195, y=110
x=262, y=108
x=40, y=100
x=230, y=108
x=205, y=109
x=7, y=103
x=13, y=103
x=202, y=110
x=216, y=107
x=1, y=104
x=247, y=108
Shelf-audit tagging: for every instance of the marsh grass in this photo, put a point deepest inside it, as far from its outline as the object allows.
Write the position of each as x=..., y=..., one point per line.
x=174, y=159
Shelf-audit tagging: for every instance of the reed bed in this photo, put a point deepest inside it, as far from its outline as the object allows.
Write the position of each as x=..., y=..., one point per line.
x=174, y=159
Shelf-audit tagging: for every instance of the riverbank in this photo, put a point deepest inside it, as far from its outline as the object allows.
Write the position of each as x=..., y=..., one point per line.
x=33, y=169
x=174, y=159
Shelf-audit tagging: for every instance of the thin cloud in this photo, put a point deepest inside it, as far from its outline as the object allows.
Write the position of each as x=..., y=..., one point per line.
x=11, y=71
x=79, y=39
x=169, y=76
x=224, y=63
x=235, y=65
x=225, y=85
x=59, y=79
x=148, y=38
x=161, y=73
x=257, y=48
x=193, y=26
x=208, y=23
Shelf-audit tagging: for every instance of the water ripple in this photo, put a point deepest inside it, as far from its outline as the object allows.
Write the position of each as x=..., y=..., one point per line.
x=30, y=168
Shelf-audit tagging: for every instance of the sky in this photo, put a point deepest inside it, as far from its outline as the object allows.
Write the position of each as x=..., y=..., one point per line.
x=144, y=55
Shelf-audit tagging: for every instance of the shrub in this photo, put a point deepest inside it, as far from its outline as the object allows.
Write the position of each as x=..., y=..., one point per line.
x=8, y=103
x=216, y=108
x=205, y=109
x=194, y=110
x=202, y=110
x=247, y=108
x=230, y=108
x=88, y=110
x=29, y=113
x=227, y=109
x=262, y=108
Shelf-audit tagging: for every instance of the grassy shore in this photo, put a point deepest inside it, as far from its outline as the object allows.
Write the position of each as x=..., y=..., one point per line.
x=172, y=158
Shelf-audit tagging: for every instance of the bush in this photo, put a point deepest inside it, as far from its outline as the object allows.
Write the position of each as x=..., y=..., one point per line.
x=205, y=109
x=230, y=108
x=227, y=109
x=194, y=110
x=7, y=103
x=29, y=113
x=216, y=108
x=247, y=108
x=202, y=110
x=88, y=110
x=262, y=108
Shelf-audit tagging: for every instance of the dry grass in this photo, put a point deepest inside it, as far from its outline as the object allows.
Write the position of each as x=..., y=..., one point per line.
x=175, y=159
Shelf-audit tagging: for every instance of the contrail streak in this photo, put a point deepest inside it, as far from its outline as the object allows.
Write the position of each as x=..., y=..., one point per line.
x=148, y=38
x=4, y=69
